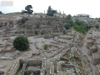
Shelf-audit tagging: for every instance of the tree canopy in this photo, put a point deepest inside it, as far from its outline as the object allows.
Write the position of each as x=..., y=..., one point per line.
x=21, y=43
x=50, y=11
x=28, y=9
x=69, y=17
x=1, y=12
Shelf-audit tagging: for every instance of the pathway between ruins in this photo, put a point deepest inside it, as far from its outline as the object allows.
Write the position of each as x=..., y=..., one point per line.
x=84, y=51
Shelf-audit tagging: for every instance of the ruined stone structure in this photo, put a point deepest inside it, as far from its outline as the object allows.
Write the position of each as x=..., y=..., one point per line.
x=67, y=54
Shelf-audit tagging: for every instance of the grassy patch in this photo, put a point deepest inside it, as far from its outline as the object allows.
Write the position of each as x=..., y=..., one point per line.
x=55, y=71
x=46, y=46
x=68, y=56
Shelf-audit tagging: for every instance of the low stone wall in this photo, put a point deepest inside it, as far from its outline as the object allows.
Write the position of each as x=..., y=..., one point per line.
x=14, y=68
x=31, y=62
x=96, y=61
x=68, y=66
x=32, y=71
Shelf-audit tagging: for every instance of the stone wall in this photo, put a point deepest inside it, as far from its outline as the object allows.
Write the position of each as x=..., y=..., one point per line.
x=14, y=68
x=31, y=62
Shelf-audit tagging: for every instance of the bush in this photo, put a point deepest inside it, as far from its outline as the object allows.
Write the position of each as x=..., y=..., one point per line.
x=37, y=25
x=69, y=17
x=99, y=20
x=21, y=43
x=42, y=32
x=26, y=19
x=46, y=46
x=19, y=22
x=41, y=16
x=82, y=29
x=55, y=16
x=36, y=32
x=67, y=26
x=35, y=13
x=22, y=21
x=97, y=26
x=49, y=23
x=64, y=31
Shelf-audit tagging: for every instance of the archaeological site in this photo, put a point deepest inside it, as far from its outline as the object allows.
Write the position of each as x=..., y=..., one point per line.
x=59, y=44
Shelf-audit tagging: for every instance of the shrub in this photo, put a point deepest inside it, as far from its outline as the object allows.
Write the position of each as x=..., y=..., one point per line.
x=97, y=26
x=67, y=26
x=42, y=32
x=46, y=46
x=35, y=13
x=82, y=29
x=99, y=20
x=69, y=17
x=21, y=43
x=37, y=25
x=64, y=31
x=36, y=32
x=55, y=16
x=80, y=23
x=49, y=23
x=63, y=21
x=19, y=22
x=26, y=19
x=22, y=21
x=41, y=16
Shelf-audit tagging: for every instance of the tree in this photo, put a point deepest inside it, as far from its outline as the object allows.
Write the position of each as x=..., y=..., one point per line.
x=28, y=9
x=67, y=26
x=97, y=26
x=50, y=11
x=37, y=24
x=36, y=32
x=69, y=17
x=22, y=21
x=23, y=11
x=1, y=12
x=42, y=32
x=21, y=43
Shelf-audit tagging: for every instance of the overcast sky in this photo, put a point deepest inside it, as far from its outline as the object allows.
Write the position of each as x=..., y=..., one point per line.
x=73, y=7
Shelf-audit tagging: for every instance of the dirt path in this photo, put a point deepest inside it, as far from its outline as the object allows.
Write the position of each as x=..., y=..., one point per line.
x=84, y=51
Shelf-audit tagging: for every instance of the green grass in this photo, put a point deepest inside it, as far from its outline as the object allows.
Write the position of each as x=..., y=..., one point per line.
x=62, y=60
x=46, y=46
x=75, y=71
x=79, y=26
x=67, y=56
x=55, y=71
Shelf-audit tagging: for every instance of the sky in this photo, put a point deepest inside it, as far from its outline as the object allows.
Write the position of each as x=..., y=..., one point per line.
x=73, y=7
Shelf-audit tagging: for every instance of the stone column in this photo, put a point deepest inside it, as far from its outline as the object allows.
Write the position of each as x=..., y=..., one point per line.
x=7, y=24
x=25, y=31
x=3, y=25
x=44, y=11
x=63, y=12
x=51, y=32
x=14, y=21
